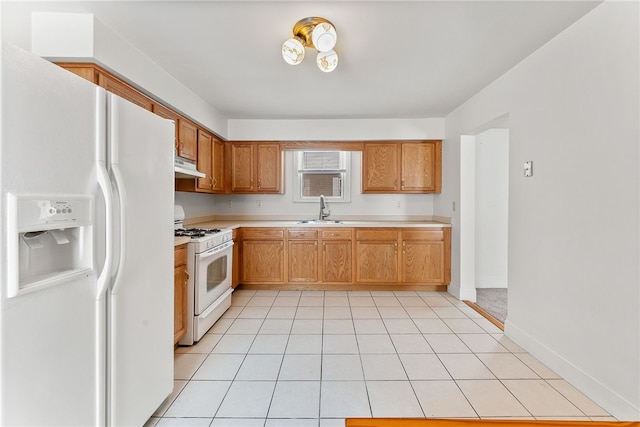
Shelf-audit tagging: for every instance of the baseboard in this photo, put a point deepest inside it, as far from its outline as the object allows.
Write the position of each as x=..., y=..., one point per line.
x=608, y=399
x=466, y=294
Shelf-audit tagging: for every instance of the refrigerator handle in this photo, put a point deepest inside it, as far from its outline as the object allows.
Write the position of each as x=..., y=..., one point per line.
x=105, y=187
x=119, y=182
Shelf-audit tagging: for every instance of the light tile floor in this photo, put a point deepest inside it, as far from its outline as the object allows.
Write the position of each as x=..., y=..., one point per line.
x=314, y=358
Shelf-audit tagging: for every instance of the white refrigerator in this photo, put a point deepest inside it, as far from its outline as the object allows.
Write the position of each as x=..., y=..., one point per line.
x=86, y=253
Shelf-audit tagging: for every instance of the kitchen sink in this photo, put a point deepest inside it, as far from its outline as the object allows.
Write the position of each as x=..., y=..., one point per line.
x=319, y=221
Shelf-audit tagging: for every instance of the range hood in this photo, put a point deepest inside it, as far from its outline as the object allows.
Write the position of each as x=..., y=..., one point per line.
x=186, y=169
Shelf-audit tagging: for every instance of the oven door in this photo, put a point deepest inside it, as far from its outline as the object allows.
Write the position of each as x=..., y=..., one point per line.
x=213, y=275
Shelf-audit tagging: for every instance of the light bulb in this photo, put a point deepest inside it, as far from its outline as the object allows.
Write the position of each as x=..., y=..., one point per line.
x=293, y=51
x=324, y=37
x=327, y=61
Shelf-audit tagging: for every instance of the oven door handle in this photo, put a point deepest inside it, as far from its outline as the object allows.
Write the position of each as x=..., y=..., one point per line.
x=214, y=251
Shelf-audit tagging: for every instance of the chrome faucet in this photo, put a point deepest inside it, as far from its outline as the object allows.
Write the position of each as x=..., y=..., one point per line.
x=324, y=213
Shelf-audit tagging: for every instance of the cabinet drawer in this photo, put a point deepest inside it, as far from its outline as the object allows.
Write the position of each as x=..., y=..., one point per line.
x=435, y=234
x=302, y=234
x=180, y=255
x=263, y=233
x=337, y=234
x=372, y=234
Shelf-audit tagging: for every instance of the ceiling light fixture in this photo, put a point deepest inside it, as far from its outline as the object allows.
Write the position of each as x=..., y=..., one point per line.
x=313, y=32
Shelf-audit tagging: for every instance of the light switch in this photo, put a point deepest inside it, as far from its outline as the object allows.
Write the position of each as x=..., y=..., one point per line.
x=528, y=168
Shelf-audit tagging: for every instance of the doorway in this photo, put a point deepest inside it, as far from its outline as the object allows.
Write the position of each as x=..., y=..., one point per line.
x=485, y=202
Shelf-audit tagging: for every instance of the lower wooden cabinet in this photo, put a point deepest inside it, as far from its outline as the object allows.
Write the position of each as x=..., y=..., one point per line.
x=423, y=256
x=180, y=277
x=376, y=256
x=302, y=255
x=235, y=261
x=341, y=256
x=263, y=255
x=337, y=255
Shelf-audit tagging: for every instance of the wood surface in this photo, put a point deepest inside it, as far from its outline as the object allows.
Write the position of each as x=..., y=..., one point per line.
x=180, y=277
x=337, y=261
x=205, y=163
x=336, y=258
x=187, y=139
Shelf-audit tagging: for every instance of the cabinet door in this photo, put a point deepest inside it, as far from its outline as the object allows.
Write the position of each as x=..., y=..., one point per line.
x=124, y=91
x=303, y=261
x=262, y=261
x=187, y=139
x=423, y=262
x=380, y=167
x=419, y=167
x=242, y=168
x=217, y=165
x=204, y=163
x=268, y=168
x=235, y=261
x=336, y=261
x=377, y=261
x=180, y=302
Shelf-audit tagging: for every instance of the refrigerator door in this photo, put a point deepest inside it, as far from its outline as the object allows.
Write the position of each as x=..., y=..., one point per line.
x=141, y=299
x=51, y=357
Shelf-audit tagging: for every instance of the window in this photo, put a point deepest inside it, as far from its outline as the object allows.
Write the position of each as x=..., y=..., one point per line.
x=322, y=173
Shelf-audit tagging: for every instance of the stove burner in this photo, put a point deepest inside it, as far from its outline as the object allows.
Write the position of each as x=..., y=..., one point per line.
x=195, y=232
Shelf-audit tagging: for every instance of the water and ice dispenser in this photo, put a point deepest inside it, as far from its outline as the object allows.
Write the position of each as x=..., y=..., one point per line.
x=50, y=240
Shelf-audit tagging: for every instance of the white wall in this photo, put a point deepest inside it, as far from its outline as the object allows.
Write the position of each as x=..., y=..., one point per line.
x=491, y=208
x=574, y=232
x=336, y=130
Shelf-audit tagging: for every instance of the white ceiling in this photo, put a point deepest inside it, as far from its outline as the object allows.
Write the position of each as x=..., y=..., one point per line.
x=398, y=59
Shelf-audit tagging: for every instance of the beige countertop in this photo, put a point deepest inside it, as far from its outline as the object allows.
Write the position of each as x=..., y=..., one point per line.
x=177, y=241
x=292, y=223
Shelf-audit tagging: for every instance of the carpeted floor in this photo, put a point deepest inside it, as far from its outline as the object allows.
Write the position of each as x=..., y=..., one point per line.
x=493, y=301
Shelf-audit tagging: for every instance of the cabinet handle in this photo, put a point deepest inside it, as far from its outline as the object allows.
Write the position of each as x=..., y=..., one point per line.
x=324, y=246
x=259, y=183
x=215, y=182
x=404, y=247
x=211, y=184
x=395, y=247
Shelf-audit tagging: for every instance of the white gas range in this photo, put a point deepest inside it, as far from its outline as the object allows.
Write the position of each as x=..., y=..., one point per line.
x=209, y=258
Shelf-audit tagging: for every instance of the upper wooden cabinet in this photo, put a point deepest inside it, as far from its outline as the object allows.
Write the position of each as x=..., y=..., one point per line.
x=186, y=131
x=210, y=162
x=97, y=75
x=125, y=91
x=402, y=167
x=255, y=167
x=85, y=70
x=380, y=167
x=205, y=161
x=187, y=139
